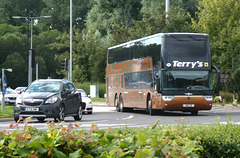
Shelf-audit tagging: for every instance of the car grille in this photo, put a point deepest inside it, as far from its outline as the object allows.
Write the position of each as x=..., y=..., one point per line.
x=12, y=98
x=33, y=102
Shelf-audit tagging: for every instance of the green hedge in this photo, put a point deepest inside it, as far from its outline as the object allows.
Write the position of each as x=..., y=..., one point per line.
x=86, y=87
x=218, y=140
x=158, y=141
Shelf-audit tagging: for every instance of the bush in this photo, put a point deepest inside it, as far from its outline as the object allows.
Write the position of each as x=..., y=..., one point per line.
x=218, y=140
x=86, y=87
x=158, y=141
x=227, y=97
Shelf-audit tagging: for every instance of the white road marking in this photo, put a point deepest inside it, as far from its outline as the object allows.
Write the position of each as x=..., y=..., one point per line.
x=127, y=118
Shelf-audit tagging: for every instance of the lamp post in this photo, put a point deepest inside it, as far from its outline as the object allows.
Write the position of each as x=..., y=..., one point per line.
x=167, y=7
x=30, y=51
x=4, y=86
x=70, y=61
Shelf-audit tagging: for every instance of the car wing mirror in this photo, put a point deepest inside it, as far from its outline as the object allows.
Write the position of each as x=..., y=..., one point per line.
x=83, y=104
x=65, y=92
x=89, y=96
x=22, y=91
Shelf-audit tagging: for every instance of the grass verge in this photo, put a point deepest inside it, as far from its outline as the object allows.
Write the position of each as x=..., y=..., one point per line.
x=98, y=99
x=7, y=113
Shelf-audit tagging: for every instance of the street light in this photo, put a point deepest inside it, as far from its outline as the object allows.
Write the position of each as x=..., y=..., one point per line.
x=4, y=86
x=30, y=51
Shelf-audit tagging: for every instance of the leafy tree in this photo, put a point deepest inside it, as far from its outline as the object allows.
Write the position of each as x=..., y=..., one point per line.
x=89, y=56
x=60, y=12
x=154, y=21
x=19, y=76
x=105, y=14
x=9, y=8
x=42, y=45
x=220, y=19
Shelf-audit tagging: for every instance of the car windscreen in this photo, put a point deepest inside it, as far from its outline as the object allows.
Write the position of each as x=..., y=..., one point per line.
x=44, y=87
x=9, y=91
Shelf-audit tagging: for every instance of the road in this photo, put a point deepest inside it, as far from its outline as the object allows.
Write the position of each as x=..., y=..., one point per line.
x=105, y=117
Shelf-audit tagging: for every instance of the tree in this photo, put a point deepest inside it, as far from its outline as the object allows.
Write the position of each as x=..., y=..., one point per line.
x=154, y=21
x=105, y=14
x=9, y=8
x=18, y=77
x=42, y=45
x=220, y=19
x=60, y=12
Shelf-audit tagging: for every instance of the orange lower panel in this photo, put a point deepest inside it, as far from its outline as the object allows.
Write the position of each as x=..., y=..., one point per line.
x=185, y=103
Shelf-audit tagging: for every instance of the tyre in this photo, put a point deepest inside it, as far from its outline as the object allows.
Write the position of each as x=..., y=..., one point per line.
x=90, y=112
x=121, y=105
x=194, y=113
x=116, y=104
x=41, y=119
x=79, y=114
x=61, y=114
x=16, y=119
x=149, y=110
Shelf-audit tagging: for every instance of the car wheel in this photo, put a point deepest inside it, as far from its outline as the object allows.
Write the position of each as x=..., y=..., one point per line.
x=16, y=119
x=41, y=119
x=79, y=114
x=90, y=112
x=61, y=114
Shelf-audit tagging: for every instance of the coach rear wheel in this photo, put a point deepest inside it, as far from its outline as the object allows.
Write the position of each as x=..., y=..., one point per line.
x=121, y=105
x=116, y=103
x=150, y=111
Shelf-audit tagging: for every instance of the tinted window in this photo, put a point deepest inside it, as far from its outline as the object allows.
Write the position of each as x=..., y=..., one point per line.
x=183, y=80
x=65, y=87
x=143, y=48
x=71, y=86
x=138, y=80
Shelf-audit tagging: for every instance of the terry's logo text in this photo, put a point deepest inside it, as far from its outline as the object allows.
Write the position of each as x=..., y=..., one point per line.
x=188, y=64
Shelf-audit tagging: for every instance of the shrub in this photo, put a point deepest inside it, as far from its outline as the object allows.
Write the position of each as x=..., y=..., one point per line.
x=158, y=141
x=227, y=97
x=86, y=87
x=218, y=140
x=61, y=141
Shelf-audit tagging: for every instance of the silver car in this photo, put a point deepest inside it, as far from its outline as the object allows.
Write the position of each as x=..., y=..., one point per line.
x=9, y=97
x=86, y=99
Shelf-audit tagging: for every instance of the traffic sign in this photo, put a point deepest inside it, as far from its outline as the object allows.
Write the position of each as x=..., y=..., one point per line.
x=4, y=84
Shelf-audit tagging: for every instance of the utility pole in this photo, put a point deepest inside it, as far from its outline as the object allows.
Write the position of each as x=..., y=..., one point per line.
x=70, y=63
x=167, y=7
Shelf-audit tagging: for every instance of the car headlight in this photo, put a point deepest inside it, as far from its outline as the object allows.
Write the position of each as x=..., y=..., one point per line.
x=51, y=100
x=19, y=100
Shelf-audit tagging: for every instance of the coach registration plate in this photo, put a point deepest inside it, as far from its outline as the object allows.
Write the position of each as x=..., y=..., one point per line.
x=31, y=109
x=188, y=105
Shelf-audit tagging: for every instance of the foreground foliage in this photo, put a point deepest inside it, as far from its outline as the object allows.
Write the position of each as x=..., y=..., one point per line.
x=158, y=141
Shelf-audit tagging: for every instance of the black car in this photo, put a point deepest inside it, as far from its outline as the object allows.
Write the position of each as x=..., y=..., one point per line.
x=49, y=98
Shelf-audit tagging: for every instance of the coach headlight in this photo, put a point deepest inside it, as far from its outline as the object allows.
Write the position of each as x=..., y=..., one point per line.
x=208, y=98
x=167, y=98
